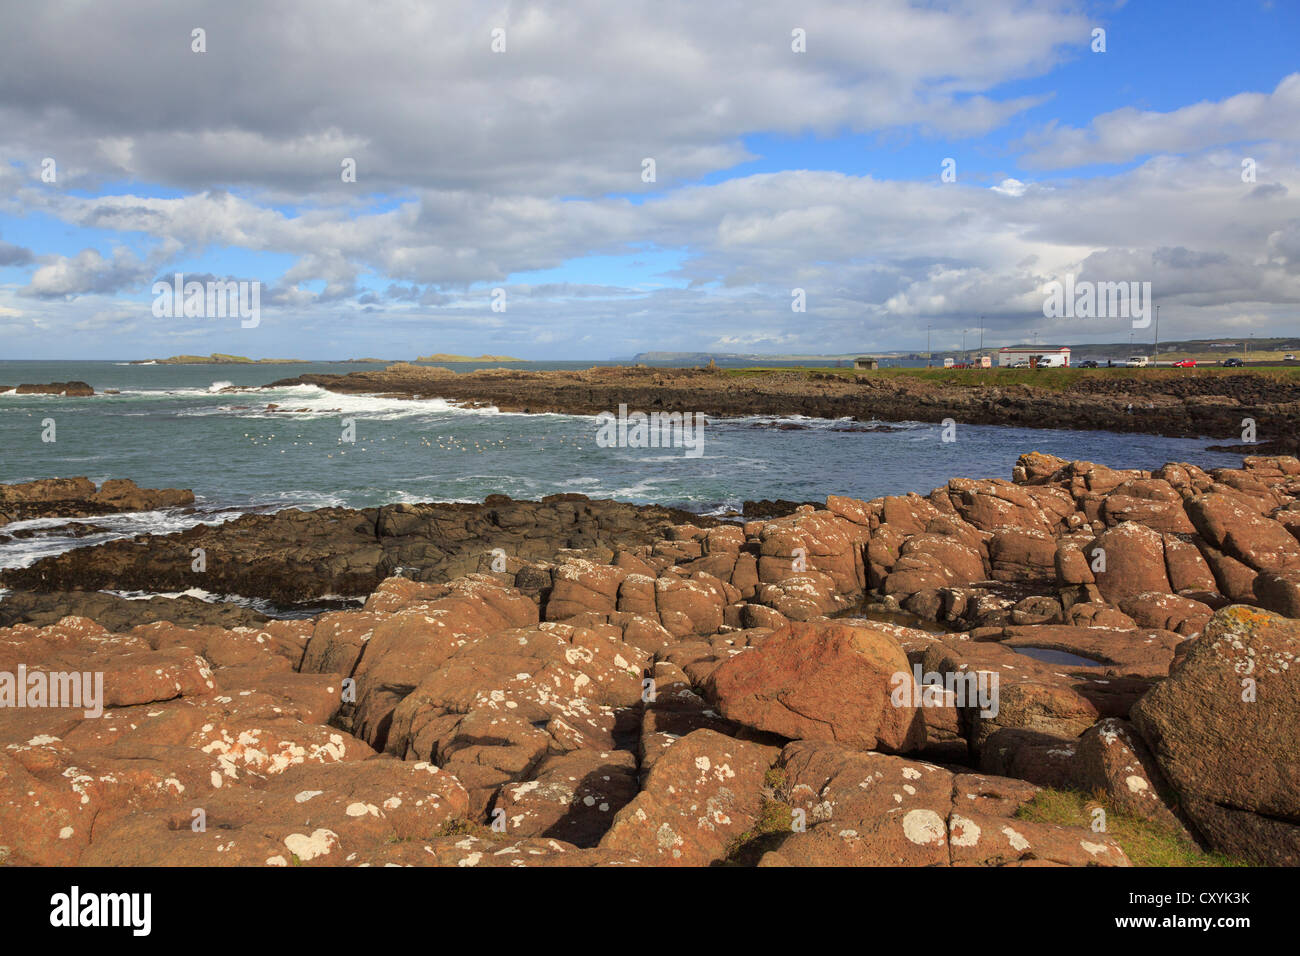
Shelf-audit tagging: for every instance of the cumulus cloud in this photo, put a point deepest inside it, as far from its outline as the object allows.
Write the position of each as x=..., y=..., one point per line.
x=413, y=92
x=1126, y=134
x=88, y=272
x=477, y=169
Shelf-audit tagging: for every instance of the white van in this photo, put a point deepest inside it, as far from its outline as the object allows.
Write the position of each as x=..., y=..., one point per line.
x=1138, y=361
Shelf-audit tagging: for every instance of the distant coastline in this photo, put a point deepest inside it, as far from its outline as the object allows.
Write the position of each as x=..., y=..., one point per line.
x=220, y=358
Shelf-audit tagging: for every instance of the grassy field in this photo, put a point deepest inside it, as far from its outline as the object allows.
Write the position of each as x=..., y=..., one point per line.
x=1264, y=355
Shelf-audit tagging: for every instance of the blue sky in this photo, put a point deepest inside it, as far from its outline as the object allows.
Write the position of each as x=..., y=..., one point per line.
x=521, y=171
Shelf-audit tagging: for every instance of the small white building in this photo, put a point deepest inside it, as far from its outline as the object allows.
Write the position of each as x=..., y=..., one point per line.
x=1056, y=357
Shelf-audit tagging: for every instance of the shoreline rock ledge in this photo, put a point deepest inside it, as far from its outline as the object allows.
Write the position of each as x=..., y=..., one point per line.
x=670, y=690
x=65, y=389
x=79, y=498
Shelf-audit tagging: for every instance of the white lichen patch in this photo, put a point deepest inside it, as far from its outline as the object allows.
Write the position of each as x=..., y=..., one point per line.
x=964, y=832
x=309, y=847
x=924, y=828
x=1016, y=839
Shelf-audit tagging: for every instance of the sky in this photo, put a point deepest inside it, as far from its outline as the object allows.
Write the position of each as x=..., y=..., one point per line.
x=587, y=180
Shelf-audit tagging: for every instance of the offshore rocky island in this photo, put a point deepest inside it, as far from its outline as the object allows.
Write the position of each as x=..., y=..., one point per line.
x=583, y=682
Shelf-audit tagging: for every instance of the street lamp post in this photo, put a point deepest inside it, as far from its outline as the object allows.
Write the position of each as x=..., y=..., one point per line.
x=1157, y=346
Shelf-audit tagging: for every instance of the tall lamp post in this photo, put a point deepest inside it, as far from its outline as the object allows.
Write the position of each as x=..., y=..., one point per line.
x=1157, y=346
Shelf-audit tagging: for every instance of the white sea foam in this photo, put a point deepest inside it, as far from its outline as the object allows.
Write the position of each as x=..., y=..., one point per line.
x=22, y=552
x=309, y=402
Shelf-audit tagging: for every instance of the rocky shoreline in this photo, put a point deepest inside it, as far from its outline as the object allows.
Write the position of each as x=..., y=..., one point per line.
x=578, y=682
x=1186, y=403
x=79, y=498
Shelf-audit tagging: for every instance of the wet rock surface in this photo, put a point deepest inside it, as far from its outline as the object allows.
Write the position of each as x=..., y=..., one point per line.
x=65, y=389
x=294, y=556
x=79, y=498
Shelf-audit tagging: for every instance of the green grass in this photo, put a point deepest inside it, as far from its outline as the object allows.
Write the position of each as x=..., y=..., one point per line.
x=775, y=817
x=1147, y=843
x=1056, y=379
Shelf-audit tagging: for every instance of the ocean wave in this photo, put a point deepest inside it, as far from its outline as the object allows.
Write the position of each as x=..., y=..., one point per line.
x=23, y=552
x=262, y=605
x=310, y=402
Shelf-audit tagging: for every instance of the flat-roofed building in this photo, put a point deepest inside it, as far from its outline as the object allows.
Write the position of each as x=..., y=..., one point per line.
x=1055, y=356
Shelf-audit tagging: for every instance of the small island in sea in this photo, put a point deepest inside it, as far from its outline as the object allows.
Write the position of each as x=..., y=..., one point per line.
x=447, y=357
x=216, y=358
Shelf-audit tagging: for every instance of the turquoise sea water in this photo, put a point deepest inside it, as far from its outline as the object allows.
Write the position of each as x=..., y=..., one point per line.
x=171, y=426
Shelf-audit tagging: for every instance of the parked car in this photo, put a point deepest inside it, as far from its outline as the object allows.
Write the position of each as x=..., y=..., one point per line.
x=1089, y=364
x=1289, y=357
x=1233, y=363
x=1186, y=363
x=1138, y=361
x=1020, y=364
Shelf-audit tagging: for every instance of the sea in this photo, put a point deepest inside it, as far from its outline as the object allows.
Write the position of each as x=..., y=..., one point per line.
x=177, y=426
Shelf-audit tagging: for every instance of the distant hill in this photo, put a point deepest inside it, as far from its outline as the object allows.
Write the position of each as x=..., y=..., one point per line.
x=216, y=358
x=447, y=357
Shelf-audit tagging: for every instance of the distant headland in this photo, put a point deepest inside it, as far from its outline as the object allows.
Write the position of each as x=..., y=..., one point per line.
x=220, y=358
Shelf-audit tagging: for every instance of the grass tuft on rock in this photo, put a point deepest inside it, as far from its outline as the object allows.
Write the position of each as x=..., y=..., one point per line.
x=467, y=828
x=1146, y=842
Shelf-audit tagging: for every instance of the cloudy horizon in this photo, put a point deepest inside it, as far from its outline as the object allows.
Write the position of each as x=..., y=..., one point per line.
x=643, y=176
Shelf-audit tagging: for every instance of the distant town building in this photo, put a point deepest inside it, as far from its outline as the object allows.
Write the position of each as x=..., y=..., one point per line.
x=1056, y=356
x=866, y=363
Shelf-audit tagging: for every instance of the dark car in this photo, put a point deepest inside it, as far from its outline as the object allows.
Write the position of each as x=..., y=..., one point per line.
x=1089, y=364
x=1233, y=363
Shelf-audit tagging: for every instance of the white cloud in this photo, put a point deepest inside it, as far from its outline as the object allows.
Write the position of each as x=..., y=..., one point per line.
x=585, y=90
x=1128, y=134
